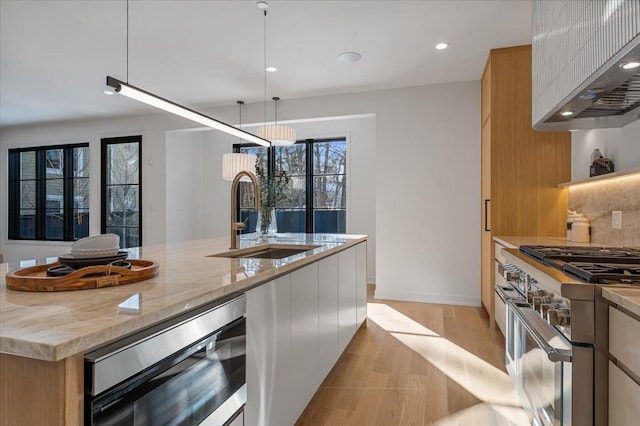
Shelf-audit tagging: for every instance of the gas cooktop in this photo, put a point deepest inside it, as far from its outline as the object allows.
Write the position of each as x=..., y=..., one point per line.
x=603, y=265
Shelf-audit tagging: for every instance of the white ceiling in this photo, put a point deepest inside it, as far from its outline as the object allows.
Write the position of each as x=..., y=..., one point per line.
x=55, y=55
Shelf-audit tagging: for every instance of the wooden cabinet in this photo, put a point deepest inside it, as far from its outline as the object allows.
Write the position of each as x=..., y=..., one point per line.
x=521, y=167
x=304, y=337
x=269, y=354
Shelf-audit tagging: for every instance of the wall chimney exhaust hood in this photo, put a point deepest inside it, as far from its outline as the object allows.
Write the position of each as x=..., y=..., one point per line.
x=609, y=98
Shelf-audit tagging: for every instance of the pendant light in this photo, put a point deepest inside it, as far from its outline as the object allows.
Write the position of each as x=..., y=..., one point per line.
x=148, y=98
x=277, y=135
x=236, y=162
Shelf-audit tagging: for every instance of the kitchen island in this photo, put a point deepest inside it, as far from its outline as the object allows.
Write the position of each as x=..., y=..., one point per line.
x=43, y=336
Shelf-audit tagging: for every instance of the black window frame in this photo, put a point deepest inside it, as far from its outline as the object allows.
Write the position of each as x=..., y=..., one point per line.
x=104, y=143
x=14, y=191
x=309, y=174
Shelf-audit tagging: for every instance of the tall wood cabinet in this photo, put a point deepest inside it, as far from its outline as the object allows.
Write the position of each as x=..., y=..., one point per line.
x=521, y=167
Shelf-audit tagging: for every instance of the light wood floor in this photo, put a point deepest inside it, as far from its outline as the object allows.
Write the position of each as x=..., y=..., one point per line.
x=418, y=364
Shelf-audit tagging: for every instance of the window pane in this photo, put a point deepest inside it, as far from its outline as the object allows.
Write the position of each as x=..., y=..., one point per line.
x=54, y=225
x=55, y=195
x=329, y=157
x=80, y=223
x=28, y=194
x=54, y=163
x=129, y=237
x=246, y=195
x=329, y=192
x=292, y=159
x=122, y=205
x=330, y=221
x=81, y=193
x=81, y=162
x=27, y=165
x=123, y=163
x=294, y=193
x=291, y=220
x=259, y=151
x=27, y=224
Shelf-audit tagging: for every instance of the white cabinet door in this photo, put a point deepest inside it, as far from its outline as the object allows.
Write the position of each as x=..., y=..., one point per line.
x=304, y=338
x=347, y=297
x=269, y=354
x=327, y=315
x=361, y=283
x=624, y=398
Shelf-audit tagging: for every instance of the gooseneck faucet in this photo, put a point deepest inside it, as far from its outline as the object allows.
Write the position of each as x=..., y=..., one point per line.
x=235, y=226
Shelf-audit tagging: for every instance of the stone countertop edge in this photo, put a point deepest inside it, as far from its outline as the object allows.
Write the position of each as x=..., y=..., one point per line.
x=627, y=298
x=56, y=325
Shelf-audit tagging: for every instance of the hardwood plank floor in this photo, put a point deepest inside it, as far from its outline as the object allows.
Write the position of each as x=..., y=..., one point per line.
x=419, y=364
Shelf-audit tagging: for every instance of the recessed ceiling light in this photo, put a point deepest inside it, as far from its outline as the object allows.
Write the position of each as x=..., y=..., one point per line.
x=566, y=113
x=630, y=65
x=441, y=46
x=349, y=57
x=108, y=92
x=271, y=69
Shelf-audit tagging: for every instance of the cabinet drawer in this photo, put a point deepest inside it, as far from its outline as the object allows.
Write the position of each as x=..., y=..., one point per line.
x=624, y=339
x=498, y=253
x=624, y=398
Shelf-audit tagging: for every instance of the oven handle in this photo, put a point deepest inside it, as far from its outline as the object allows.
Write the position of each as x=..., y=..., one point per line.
x=541, y=332
x=503, y=292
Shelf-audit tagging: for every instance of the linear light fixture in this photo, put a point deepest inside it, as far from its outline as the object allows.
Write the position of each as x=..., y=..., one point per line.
x=172, y=107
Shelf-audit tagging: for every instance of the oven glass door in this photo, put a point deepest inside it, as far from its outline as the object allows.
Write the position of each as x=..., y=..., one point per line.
x=187, y=393
x=541, y=380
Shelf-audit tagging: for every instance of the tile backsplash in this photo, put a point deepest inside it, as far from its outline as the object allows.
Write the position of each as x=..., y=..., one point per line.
x=596, y=200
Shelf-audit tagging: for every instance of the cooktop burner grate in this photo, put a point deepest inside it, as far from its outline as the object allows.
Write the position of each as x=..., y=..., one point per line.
x=546, y=254
x=603, y=273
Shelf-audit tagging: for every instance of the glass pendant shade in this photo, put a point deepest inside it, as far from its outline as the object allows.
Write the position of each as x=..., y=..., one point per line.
x=278, y=135
x=234, y=163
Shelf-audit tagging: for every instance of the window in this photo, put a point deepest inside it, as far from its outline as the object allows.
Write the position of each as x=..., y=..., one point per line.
x=49, y=193
x=121, y=189
x=315, y=199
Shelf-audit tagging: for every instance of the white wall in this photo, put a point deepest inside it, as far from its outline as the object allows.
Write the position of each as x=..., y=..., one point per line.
x=621, y=145
x=426, y=167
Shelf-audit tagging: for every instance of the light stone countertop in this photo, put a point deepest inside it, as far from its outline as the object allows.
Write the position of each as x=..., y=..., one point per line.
x=517, y=241
x=55, y=325
x=627, y=298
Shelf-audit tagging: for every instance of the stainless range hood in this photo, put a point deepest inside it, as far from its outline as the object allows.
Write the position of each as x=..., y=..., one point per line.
x=608, y=98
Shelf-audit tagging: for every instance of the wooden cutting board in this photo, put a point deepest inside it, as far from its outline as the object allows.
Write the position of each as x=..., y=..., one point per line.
x=34, y=278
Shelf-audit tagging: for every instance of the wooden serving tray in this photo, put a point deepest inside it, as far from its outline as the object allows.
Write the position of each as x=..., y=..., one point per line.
x=34, y=278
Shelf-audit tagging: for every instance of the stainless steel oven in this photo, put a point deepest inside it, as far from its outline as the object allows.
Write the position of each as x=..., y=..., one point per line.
x=186, y=371
x=541, y=366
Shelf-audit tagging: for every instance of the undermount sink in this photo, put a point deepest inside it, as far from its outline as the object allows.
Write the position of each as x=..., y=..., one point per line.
x=266, y=251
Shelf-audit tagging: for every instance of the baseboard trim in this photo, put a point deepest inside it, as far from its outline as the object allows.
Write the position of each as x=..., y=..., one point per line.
x=440, y=299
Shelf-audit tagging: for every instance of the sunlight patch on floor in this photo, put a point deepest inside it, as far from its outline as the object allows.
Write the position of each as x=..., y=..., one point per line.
x=486, y=414
x=486, y=382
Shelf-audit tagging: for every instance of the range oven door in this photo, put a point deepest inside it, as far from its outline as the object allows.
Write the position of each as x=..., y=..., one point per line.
x=541, y=366
x=504, y=293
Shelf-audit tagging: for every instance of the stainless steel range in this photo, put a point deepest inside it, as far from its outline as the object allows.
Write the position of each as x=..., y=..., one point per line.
x=556, y=327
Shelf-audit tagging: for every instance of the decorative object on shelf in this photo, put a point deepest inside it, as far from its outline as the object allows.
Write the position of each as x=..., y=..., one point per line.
x=164, y=104
x=600, y=165
x=277, y=135
x=271, y=191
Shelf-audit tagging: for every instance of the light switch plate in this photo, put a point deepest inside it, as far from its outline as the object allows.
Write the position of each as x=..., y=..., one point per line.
x=616, y=219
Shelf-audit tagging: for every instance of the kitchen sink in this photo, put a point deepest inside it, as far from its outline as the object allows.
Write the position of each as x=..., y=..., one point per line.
x=266, y=251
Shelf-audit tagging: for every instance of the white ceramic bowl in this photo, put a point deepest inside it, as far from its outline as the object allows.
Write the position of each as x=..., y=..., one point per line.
x=96, y=246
